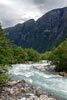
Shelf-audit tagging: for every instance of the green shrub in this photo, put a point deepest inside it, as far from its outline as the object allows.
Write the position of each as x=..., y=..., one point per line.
x=33, y=55
x=59, y=57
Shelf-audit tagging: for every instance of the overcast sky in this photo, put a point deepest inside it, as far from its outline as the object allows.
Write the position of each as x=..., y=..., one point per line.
x=18, y=11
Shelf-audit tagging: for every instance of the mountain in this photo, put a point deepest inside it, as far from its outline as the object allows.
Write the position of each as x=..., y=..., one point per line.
x=48, y=31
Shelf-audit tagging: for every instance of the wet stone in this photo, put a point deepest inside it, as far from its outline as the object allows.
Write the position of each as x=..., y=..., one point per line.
x=19, y=90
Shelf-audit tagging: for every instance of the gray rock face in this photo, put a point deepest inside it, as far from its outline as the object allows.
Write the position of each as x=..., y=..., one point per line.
x=43, y=34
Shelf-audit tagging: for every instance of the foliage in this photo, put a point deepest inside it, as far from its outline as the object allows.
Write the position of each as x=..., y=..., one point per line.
x=58, y=56
x=33, y=55
x=46, y=55
x=12, y=54
x=4, y=78
x=19, y=54
x=4, y=52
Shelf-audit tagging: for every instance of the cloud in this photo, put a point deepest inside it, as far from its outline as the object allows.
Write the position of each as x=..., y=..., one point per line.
x=18, y=11
x=12, y=11
x=47, y=5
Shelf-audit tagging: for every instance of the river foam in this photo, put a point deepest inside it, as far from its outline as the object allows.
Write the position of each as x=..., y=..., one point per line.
x=49, y=82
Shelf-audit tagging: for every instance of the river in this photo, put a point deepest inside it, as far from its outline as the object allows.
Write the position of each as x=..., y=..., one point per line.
x=49, y=82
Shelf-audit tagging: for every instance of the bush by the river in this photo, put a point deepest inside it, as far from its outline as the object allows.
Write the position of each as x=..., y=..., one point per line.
x=58, y=56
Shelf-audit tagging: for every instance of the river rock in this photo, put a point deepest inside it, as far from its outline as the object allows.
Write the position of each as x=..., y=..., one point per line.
x=1, y=99
x=29, y=62
x=41, y=68
x=51, y=68
x=17, y=91
x=23, y=90
x=62, y=73
x=32, y=88
x=10, y=84
x=38, y=93
x=43, y=96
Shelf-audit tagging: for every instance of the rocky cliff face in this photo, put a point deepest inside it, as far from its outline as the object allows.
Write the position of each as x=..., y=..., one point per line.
x=48, y=31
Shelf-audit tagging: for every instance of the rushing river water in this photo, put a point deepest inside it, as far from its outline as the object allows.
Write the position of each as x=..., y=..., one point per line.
x=47, y=81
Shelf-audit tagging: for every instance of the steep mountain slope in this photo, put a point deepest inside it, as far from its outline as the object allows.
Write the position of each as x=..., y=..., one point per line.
x=43, y=34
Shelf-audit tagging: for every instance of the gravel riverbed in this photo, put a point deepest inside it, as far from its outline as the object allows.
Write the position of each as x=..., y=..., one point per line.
x=19, y=90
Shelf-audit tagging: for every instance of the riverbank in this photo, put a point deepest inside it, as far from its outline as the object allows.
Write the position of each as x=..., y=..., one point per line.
x=64, y=74
x=35, y=76
x=50, y=68
x=20, y=90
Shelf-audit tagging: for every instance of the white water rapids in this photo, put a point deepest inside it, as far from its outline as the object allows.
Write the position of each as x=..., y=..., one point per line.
x=47, y=81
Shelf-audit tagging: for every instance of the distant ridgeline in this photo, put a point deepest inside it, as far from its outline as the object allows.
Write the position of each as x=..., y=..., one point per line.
x=48, y=31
